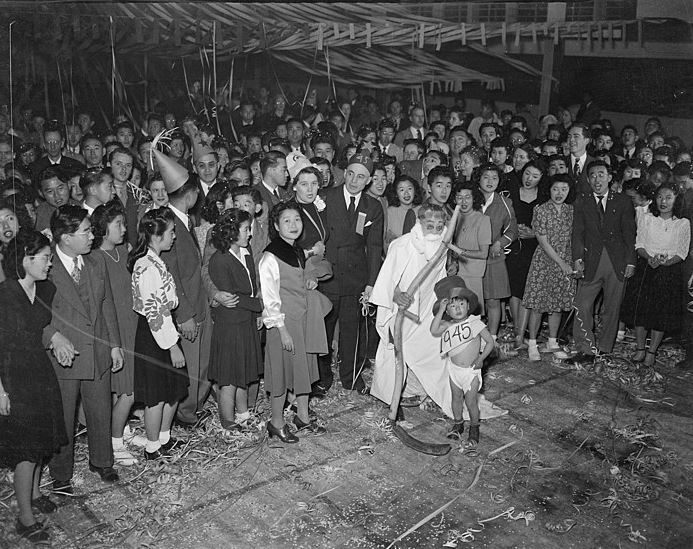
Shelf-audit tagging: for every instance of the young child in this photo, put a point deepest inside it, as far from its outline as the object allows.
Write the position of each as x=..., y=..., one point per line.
x=460, y=340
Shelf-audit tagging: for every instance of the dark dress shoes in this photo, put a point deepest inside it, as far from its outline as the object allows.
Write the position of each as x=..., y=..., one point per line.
x=34, y=533
x=156, y=455
x=44, y=505
x=282, y=434
x=107, y=474
x=310, y=427
x=171, y=445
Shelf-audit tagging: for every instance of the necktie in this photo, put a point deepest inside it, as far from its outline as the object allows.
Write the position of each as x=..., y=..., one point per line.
x=576, y=168
x=76, y=271
x=600, y=202
x=191, y=230
x=352, y=207
x=420, y=134
x=275, y=192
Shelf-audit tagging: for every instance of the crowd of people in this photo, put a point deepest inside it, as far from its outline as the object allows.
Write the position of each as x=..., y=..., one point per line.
x=149, y=264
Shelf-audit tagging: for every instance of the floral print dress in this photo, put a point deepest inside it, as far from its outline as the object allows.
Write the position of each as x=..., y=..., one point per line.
x=548, y=288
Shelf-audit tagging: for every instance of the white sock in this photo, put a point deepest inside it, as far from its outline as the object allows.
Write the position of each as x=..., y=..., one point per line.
x=495, y=338
x=245, y=416
x=532, y=342
x=164, y=437
x=553, y=342
x=117, y=443
x=152, y=446
x=621, y=332
x=127, y=432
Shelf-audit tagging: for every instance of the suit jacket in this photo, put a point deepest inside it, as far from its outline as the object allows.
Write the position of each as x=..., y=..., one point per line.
x=93, y=333
x=412, y=168
x=406, y=134
x=616, y=233
x=131, y=218
x=269, y=200
x=395, y=151
x=66, y=163
x=185, y=265
x=582, y=183
x=229, y=275
x=355, y=258
x=44, y=212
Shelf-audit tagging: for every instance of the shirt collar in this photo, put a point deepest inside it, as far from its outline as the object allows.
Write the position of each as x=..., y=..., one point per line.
x=348, y=195
x=270, y=189
x=67, y=261
x=180, y=215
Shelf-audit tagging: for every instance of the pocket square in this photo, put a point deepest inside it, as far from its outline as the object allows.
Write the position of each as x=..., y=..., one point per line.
x=368, y=224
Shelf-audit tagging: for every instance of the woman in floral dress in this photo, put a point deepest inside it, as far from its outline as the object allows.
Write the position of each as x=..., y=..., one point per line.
x=550, y=284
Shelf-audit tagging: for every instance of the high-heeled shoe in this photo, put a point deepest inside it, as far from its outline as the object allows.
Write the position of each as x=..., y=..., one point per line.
x=282, y=434
x=312, y=426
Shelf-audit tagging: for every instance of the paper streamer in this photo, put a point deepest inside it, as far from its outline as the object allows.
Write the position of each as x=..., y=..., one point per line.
x=483, y=34
x=464, y=34
x=321, y=31
x=368, y=35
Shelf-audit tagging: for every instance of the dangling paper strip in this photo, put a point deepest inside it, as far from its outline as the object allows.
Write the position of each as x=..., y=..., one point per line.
x=534, y=34
x=589, y=34
x=641, y=37
x=320, y=36
x=517, y=37
x=504, y=39
x=555, y=34
x=176, y=33
x=351, y=31
x=336, y=31
x=439, y=39
x=464, y=34
x=483, y=34
x=113, y=67
x=422, y=35
x=546, y=30
x=368, y=35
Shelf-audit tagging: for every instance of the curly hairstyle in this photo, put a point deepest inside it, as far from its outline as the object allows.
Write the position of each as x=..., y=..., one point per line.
x=153, y=223
x=488, y=167
x=678, y=200
x=477, y=197
x=227, y=228
x=217, y=193
x=391, y=191
x=26, y=243
x=102, y=217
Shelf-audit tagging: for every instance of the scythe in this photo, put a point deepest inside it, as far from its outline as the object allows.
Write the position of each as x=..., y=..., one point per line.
x=398, y=430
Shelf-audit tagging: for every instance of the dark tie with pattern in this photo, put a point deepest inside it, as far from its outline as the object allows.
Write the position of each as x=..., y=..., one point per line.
x=76, y=271
x=191, y=230
x=419, y=134
x=576, y=168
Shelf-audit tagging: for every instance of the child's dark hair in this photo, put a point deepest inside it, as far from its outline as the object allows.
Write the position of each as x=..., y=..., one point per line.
x=219, y=192
x=102, y=217
x=153, y=223
x=227, y=228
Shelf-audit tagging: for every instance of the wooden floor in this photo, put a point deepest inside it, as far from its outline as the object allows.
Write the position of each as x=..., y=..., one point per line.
x=358, y=486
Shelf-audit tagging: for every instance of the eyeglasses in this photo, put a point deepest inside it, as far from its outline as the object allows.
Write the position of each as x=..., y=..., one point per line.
x=46, y=258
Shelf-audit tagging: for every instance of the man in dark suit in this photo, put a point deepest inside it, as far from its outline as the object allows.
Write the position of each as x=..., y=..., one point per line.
x=589, y=111
x=184, y=262
x=578, y=139
x=355, y=249
x=85, y=343
x=272, y=188
x=55, y=141
x=53, y=188
x=603, y=245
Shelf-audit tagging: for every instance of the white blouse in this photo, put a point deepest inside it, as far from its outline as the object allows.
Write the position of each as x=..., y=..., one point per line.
x=154, y=297
x=272, y=315
x=663, y=236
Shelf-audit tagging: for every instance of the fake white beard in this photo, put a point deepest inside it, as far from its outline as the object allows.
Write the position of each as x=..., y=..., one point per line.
x=425, y=244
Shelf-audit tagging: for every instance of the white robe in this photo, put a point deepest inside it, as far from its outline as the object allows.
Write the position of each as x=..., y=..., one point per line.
x=405, y=258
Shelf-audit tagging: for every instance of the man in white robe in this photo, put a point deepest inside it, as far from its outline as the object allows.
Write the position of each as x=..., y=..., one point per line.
x=406, y=257
x=426, y=371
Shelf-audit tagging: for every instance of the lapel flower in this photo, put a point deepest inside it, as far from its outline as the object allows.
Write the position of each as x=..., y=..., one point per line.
x=319, y=203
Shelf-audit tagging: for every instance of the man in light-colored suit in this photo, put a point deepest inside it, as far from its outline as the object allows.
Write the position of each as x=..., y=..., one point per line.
x=416, y=130
x=85, y=342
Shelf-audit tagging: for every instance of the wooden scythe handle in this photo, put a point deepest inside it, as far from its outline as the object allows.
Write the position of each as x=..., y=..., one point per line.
x=399, y=318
